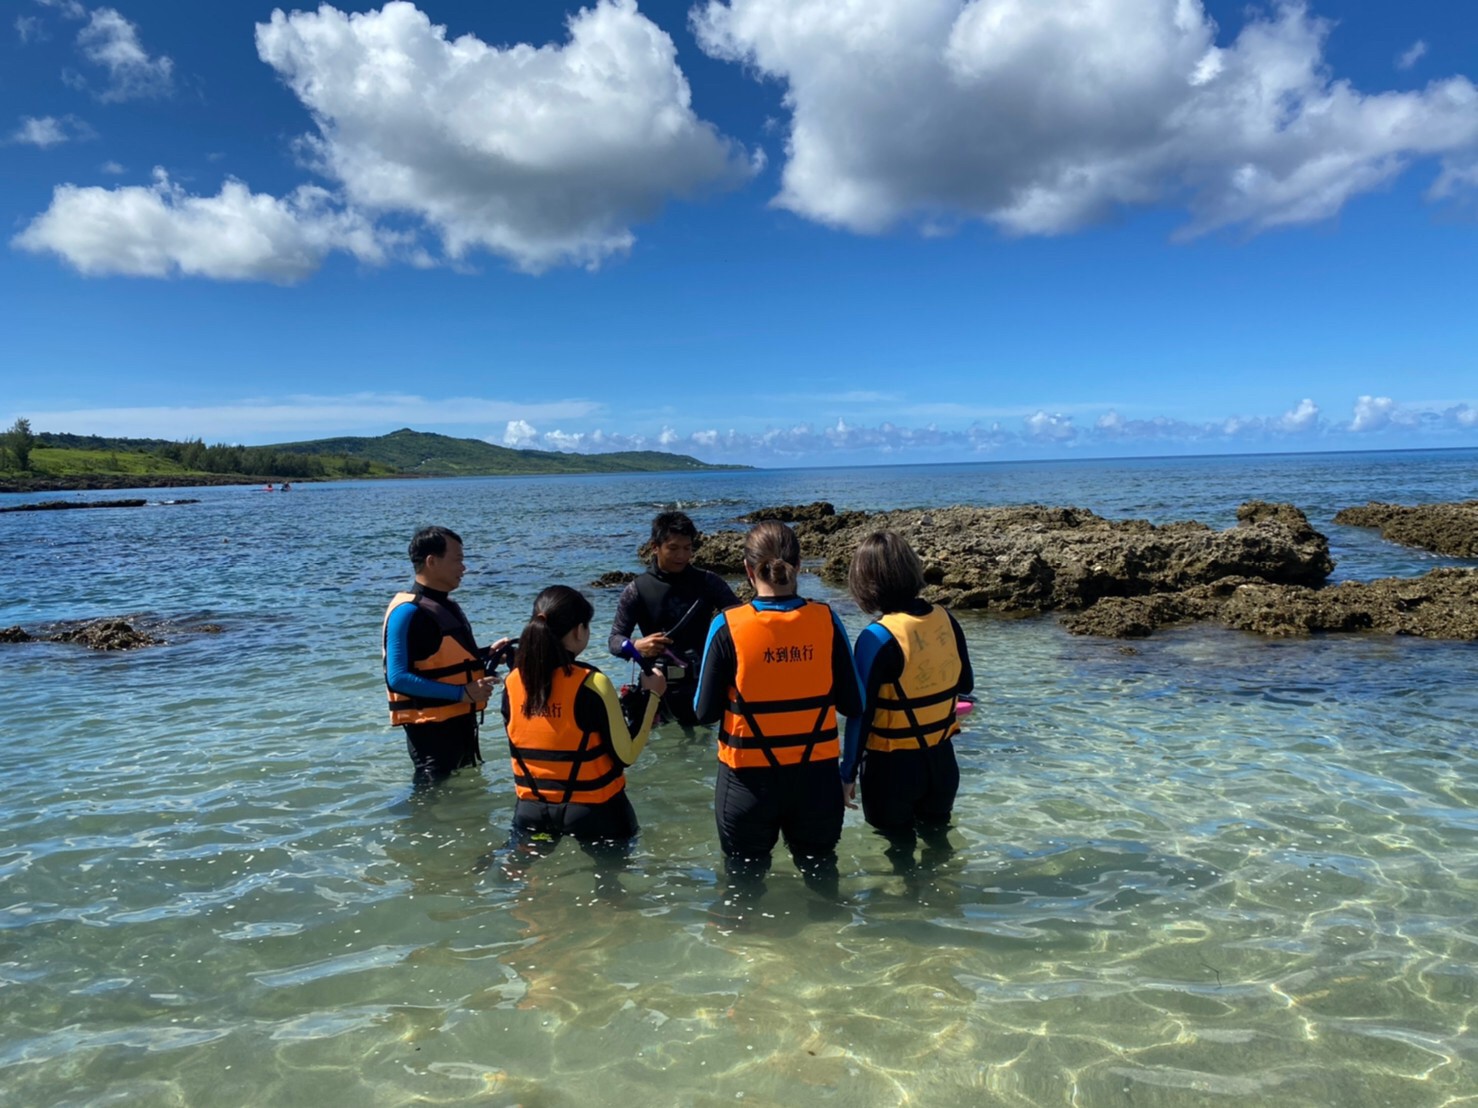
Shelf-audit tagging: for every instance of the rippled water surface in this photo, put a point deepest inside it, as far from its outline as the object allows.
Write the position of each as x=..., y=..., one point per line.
x=1213, y=869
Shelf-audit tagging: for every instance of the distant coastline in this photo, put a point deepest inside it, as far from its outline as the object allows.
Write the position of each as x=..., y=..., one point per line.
x=59, y=462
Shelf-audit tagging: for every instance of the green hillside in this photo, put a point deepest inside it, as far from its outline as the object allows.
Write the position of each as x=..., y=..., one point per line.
x=426, y=454
x=66, y=461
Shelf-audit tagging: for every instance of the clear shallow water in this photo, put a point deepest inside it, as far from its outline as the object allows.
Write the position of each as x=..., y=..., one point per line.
x=1217, y=868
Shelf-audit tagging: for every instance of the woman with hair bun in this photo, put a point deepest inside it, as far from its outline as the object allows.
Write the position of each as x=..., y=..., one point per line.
x=568, y=739
x=913, y=663
x=775, y=673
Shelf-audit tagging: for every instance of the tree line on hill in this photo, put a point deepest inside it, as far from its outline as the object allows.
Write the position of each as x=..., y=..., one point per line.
x=19, y=443
x=260, y=461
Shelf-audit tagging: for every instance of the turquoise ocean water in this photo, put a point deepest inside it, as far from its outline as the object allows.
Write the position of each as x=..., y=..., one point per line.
x=1216, y=869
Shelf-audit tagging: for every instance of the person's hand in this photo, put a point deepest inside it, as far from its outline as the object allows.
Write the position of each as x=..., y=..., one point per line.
x=651, y=646
x=480, y=691
x=654, y=682
x=849, y=794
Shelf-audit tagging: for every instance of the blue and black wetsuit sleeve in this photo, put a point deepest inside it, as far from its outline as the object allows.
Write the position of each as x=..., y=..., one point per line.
x=879, y=661
x=967, y=672
x=716, y=673
x=410, y=634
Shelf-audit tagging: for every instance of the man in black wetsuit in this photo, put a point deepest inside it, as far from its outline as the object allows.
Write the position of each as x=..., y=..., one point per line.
x=670, y=606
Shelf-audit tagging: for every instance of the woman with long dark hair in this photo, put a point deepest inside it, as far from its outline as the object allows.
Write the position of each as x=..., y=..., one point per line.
x=776, y=671
x=567, y=737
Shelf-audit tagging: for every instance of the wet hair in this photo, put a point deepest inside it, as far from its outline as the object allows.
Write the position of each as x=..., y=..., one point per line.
x=886, y=573
x=430, y=540
x=558, y=610
x=673, y=523
x=773, y=552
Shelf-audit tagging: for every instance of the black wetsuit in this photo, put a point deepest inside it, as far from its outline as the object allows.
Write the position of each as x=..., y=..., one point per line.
x=661, y=602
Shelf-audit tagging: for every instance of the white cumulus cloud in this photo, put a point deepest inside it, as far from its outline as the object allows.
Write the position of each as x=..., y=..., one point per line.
x=520, y=433
x=159, y=230
x=1305, y=417
x=111, y=41
x=1372, y=413
x=1042, y=116
x=1051, y=427
x=1412, y=54
x=544, y=156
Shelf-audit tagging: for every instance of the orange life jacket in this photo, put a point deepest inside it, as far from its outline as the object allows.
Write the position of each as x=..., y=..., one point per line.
x=918, y=710
x=782, y=706
x=553, y=759
x=456, y=662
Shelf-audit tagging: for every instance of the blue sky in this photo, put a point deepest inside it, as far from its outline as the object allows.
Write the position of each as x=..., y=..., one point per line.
x=781, y=232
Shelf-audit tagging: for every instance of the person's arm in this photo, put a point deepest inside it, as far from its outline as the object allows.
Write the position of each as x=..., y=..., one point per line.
x=400, y=630
x=716, y=673
x=846, y=685
x=872, y=658
x=967, y=671
x=610, y=722
x=719, y=594
x=624, y=624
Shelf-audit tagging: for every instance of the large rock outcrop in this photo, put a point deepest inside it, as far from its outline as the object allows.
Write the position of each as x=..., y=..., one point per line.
x=1038, y=559
x=1441, y=528
x=1126, y=578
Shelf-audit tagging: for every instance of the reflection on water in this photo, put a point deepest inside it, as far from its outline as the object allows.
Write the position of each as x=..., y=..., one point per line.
x=1218, y=868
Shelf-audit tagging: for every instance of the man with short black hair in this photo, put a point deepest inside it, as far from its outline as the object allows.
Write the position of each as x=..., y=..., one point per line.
x=671, y=605
x=434, y=669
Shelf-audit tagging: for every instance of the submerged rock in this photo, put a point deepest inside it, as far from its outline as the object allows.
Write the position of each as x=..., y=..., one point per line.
x=106, y=634
x=66, y=505
x=114, y=632
x=1441, y=528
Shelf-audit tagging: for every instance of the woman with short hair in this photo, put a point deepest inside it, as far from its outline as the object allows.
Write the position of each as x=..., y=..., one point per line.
x=914, y=664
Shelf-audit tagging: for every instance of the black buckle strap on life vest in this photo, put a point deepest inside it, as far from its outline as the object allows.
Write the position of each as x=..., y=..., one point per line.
x=529, y=780
x=740, y=706
x=906, y=704
x=903, y=703
x=575, y=764
x=826, y=702
x=439, y=672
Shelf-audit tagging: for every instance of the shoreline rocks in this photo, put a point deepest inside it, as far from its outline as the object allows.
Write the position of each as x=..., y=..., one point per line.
x=68, y=505
x=1450, y=528
x=109, y=633
x=1038, y=559
x=1127, y=578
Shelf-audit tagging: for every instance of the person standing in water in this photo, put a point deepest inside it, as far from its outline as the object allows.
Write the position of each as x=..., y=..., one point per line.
x=434, y=669
x=669, y=608
x=776, y=671
x=567, y=738
x=914, y=664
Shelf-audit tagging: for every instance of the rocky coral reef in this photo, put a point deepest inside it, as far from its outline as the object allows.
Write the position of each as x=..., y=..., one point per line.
x=1125, y=578
x=1441, y=528
x=109, y=633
